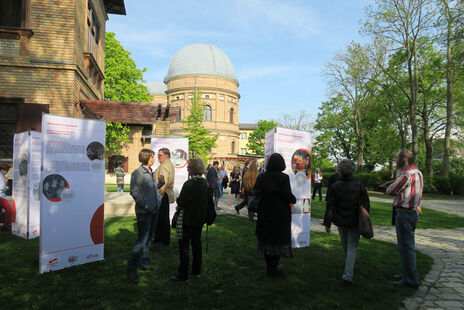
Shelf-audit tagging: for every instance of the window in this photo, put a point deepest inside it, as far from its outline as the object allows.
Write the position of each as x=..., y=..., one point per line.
x=231, y=115
x=243, y=151
x=207, y=113
x=93, y=33
x=206, y=96
x=232, y=146
x=243, y=136
x=221, y=97
x=179, y=116
x=12, y=13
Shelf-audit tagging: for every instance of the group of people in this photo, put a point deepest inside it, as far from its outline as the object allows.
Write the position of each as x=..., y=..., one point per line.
x=152, y=192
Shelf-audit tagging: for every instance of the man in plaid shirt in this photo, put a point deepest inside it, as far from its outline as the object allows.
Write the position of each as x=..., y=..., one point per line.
x=408, y=188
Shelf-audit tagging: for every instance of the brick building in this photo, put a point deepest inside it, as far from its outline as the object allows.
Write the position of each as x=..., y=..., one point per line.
x=51, y=58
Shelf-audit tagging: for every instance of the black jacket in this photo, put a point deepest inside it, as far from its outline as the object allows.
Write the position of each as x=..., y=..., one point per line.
x=274, y=212
x=342, y=208
x=193, y=198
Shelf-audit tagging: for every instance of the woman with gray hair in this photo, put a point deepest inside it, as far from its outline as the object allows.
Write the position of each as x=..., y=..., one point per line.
x=342, y=209
x=193, y=200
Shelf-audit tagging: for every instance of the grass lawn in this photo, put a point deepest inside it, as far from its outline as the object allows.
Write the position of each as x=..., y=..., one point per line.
x=381, y=214
x=114, y=188
x=425, y=196
x=233, y=275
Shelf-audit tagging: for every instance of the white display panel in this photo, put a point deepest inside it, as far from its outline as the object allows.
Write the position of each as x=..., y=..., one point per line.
x=72, y=192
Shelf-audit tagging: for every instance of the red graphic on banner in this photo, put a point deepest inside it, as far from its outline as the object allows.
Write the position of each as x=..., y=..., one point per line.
x=13, y=211
x=96, y=225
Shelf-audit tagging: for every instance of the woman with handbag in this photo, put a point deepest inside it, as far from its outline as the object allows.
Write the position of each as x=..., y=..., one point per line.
x=343, y=206
x=193, y=201
x=235, y=179
x=273, y=227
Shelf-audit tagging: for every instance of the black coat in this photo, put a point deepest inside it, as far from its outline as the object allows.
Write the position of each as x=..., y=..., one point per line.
x=342, y=208
x=274, y=211
x=193, y=199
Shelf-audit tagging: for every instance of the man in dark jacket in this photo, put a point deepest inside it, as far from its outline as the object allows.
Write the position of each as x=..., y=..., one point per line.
x=143, y=189
x=212, y=179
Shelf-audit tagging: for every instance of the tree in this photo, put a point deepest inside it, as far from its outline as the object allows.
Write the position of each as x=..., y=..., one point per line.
x=402, y=22
x=298, y=121
x=200, y=144
x=123, y=82
x=256, y=138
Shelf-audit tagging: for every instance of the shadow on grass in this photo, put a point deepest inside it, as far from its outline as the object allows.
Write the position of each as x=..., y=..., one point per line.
x=233, y=274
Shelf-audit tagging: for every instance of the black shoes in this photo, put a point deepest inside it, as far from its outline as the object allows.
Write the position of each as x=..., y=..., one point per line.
x=237, y=210
x=401, y=283
x=347, y=283
x=178, y=279
x=276, y=274
x=146, y=267
x=195, y=275
x=133, y=278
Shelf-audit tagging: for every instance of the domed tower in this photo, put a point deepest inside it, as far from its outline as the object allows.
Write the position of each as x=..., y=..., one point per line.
x=206, y=69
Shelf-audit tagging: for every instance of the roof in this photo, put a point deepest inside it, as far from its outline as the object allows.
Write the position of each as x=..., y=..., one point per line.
x=157, y=88
x=127, y=112
x=200, y=59
x=115, y=7
x=246, y=126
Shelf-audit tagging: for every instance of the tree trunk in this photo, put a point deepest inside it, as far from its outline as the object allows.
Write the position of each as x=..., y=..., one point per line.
x=413, y=104
x=449, y=102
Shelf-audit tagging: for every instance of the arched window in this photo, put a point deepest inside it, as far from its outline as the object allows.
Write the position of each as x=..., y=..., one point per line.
x=207, y=113
x=232, y=146
x=231, y=112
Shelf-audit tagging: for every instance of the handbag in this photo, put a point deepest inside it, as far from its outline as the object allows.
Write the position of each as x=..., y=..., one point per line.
x=365, y=224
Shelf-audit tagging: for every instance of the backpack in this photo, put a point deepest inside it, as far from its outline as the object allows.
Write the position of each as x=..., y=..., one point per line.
x=211, y=212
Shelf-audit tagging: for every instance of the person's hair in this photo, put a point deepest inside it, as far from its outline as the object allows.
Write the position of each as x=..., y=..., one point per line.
x=5, y=167
x=249, y=179
x=405, y=158
x=145, y=155
x=196, y=166
x=276, y=163
x=236, y=169
x=318, y=170
x=215, y=163
x=346, y=168
x=165, y=151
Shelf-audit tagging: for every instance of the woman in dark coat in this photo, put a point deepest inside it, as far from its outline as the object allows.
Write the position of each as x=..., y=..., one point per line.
x=193, y=200
x=273, y=227
x=344, y=199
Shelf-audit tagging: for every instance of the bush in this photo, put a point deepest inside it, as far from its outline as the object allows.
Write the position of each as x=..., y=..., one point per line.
x=370, y=180
x=442, y=184
x=326, y=176
x=429, y=185
x=457, y=184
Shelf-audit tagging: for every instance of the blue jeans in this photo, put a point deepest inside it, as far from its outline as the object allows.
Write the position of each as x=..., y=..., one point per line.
x=120, y=188
x=349, y=237
x=140, y=256
x=405, y=226
x=220, y=190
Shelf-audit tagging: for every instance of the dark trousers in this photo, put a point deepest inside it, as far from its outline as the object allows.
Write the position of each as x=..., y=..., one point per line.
x=190, y=235
x=244, y=203
x=140, y=255
x=272, y=261
x=317, y=188
x=163, y=227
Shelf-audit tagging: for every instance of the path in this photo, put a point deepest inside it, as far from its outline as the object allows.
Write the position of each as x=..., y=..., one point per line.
x=443, y=286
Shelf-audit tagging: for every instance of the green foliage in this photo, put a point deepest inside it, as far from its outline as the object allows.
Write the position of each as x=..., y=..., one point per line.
x=256, y=138
x=123, y=82
x=370, y=180
x=200, y=144
x=324, y=164
x=442, y=184
x=231, y=269
x=457, y=184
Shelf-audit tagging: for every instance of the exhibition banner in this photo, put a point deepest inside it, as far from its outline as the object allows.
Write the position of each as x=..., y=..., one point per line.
x=295, y=147
x=26, y=178
x=72, y=191
x=179, y=157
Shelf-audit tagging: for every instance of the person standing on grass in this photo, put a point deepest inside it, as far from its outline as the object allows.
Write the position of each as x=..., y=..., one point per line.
x=4, y=204
x=318, y=184
x=164, y=174
x=220, y=178
x=119, y=171
x=212, y=179
x=407, y=188
x=273, y=228
x=249, y=181
x=144, y=190
x=342, y=209
x=235, y=179
x=193, y=200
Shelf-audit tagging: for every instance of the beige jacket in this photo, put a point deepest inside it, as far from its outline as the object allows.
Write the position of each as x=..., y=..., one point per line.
x=166, y=169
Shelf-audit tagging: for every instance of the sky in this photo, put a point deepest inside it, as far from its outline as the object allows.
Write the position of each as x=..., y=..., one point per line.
x=278, y=48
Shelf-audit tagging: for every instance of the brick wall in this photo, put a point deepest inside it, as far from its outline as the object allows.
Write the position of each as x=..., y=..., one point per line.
x=9, y=47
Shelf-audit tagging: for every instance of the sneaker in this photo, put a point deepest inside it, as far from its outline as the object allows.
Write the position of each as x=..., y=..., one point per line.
x=133, y=278
x=147, y=267
x=401, y=283
x=237, y=210
x=195, y=275
x=346, y=283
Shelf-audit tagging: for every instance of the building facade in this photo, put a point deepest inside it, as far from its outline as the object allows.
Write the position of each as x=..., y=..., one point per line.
x=51, y=58
x=206, y=69
x=245, y=131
